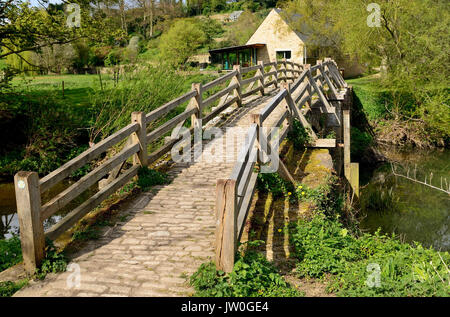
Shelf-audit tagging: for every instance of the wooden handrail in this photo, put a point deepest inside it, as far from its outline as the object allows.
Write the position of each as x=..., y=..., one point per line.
x=87, y=156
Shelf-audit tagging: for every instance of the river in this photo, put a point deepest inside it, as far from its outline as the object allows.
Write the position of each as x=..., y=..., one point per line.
x=9, y=224
x=412, y=210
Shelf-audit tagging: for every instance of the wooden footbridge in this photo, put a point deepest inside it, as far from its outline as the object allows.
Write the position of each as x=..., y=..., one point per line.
x=201, y=213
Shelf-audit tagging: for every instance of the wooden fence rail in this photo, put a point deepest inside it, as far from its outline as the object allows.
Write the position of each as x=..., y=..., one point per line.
x=111, y=175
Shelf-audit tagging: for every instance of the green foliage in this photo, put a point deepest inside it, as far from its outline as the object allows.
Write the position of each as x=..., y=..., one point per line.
x=149, y=177
x=298, y=135
x=321, y=196
x=323, y=246
x=272, y=182
x=414, y=58
x=181, y=41
x=8, y=288
x=89, y=233
x=360, y=141
x=54, y=261
x=10, y=252
x=252, y=276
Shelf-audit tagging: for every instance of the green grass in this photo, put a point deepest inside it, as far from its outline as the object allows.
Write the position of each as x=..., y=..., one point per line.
x=77, y=88
x=370, y=96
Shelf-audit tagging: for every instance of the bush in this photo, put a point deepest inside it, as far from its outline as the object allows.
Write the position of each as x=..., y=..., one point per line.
x=252, y=276
x=323, y=246
x=149, y=177
x=360, y=141
x=298, y=135
x=10, y=252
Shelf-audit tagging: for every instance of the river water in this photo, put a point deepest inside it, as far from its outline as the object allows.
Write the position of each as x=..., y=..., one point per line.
x=412, y=210
x=9, y=223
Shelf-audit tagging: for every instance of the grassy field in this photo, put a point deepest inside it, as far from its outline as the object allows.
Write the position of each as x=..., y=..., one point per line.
x=77, y=88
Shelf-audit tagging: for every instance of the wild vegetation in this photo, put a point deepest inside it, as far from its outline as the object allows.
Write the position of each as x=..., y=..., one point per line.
x=409, y=102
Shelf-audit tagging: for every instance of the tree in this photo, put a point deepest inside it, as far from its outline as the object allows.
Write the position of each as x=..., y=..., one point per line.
x=181, y=41
x=411, y=40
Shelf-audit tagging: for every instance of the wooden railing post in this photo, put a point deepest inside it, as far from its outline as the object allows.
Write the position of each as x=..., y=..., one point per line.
x=28, y=199
x=237, y=79
x=256, y=118
x=226, y=224
x=197, y=102
x=319, y=72
x=140, y=137
x=285, y=70
x=308, y=87
x=260, y=72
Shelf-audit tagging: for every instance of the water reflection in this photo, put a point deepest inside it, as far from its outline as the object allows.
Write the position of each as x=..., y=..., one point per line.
x=9, y=222
x=412, y=210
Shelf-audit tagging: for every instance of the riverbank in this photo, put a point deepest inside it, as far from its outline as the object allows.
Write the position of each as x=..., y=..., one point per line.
x=392, y=117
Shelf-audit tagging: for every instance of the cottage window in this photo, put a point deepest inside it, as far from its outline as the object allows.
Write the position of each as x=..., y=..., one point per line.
x=283, y=54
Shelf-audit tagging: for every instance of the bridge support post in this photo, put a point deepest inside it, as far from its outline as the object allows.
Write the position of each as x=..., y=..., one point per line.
x=226, y=224
x=28, y=199
x=351, y=170
x=140, y=137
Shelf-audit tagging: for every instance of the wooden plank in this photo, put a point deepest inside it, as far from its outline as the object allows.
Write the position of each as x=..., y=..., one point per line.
x=69, y=194
x=324, y=143
x=347, y=142
x=75, y=215
x=245, y=179
x=219, y=94
x=273, y=104
x=65, y=170
x=245, y=205
x=219, y=80
x=159, y=112
x=226, y=224
x=154, y=156
x=354, y=178
x=299, y=80
x=251, y=92
x=300, y=117
x=169, y=125
x=245, y=70
x=28, y=200
x=140, y=137
x=250, y=80
x=299, y=93
x=244, y=154
x=272, y=73
x=219, y=109
x=270, y=83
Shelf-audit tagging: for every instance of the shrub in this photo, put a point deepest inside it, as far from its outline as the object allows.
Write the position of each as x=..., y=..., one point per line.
x=10, y=252
x=149, y=177
x=323, y=246
x=252, y=276
x=298, y=135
